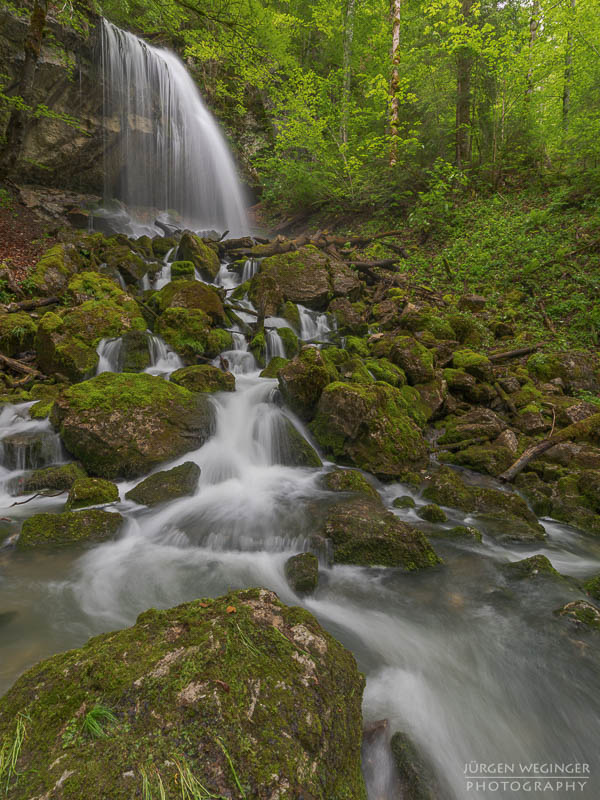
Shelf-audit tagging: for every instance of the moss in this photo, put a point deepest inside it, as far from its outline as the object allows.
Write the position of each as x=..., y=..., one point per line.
x=462, y=532
x=91, y=492
x=191, y=295
x=404, y=501
x=204, y=378
x=52, y=272
x=302, y=380
x=354, y=371
x=273, y=367
x=52, y=478
x=432, y=513
x=468, y=329
x=162, y=244
x=17, y=333
x=291, y=449
x=69, y=528
x=414, y=359
x=489, y=459
x=476, y=364
x=417, y=320
x=93, y=286
x=135, y=352
x=290, y=341
x=383, y=370
x=349, y=480
x=290, y=312
x=258, y=348
x=582, y=614
x=592, y=587
x=240, y=677
x=357, y=346
x=531, y=567
x=302, y=572
x=181, y=481
x=185, y=330
x=417, y=778
x=192, y=248
x=182, y=269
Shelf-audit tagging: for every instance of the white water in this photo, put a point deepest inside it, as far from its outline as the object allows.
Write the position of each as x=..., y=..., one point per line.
x=109, y=355
x=170, y=153
x=163, y=359
x=314, y=326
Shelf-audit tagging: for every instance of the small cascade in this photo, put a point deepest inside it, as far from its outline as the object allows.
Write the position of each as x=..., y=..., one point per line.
x=109, y=355
x=314, y=326
x=170, y=154
x=31, y=450
x=163, y=276
x=163, y=360
x=274, y=345
x=250, y=269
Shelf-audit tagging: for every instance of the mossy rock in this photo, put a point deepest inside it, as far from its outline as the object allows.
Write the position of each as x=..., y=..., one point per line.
x=290, y=341
x=507, y=527
x=581, y=614
x=302, y=380
x=475, y=364
x=416, y=776
x=135, y=351
x=349, y=480
x=414, y=359
x=502, y=509
x=181, y=481
x=55, y=479
x=189, y=333
x=29, y=449
x=302, y=572
x=364, y=533
x=191, y=295
x=91, y=492
x=290, y=312
x=369, y=427
x=489, y=459
x=592, y=587
x=69, y=528
x=459, y=532
x=383, y=370
x=52, y=272
x=204, y=378
x=290, y=448
x=17, y=333
x=467, y=328
x=354, y=371
x=124, y=425
x=404, y=501
x=161, y=245
x=273, y=367
x=532, y=567
x=577, y=369
x=258, y=348
x=182, y=270
x=349, y=317
x=237, y=691
x=432, y=513
x=192, y=248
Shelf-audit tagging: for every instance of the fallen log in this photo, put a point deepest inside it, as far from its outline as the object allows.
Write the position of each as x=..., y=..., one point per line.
x=384, y=263
x=236, y=307
x=575, y=431
x=519, y=351
x=320, y=239
x=18, y=366
x=29, y=305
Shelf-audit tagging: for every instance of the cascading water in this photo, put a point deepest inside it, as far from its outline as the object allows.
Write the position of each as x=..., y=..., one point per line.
x=109, y=355
x=163, y=360
x=170, y=153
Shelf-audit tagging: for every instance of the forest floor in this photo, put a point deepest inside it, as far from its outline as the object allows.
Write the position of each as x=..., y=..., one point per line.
x=23, y=236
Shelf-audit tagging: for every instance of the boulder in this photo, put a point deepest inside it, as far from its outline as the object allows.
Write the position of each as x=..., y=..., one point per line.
x=135, y=353
x=189, y=333
x=302, y=572
x=475, y=364
x=479, y=423
x=91, y=492
x=191, y=295
x=182, y=270
x=432, y=513
x=290, y=448
x=124, y=425
x=577, y=369
x=54, y=479
x=348, y=317
x=51, y=274
x=404, y=501
x=365, y=533
x=415, y=360
x=17, y=333
x=537, y=566
x=239, y=691
x=204, y=258
x=416, y=776
x=169, y=484
x=273, y=367
x=370, y=427
x=69, y=528
x=302, y=380
x=349, y=480
x=204, y=378
x=305, y=276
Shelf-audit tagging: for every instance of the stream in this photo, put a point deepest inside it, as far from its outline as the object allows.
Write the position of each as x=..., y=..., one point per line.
x=476, y=671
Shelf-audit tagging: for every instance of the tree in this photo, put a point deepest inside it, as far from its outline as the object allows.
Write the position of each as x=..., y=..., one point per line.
x=394, y=83
x=463, y=95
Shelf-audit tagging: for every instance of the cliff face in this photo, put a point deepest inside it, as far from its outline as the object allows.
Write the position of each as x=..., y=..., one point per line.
x=67, y=81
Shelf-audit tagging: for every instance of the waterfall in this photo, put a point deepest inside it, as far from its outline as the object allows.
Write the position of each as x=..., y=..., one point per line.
x=250, y=269
x=163, y=360
x=170, y=153
x=313, y=325
x=274, y=345
x=109, y=355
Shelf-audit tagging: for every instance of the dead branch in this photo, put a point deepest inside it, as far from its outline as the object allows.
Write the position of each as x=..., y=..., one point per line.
x=519, y=351
x=18, y=366
x=29, y=305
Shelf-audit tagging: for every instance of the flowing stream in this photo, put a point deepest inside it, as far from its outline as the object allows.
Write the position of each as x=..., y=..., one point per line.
x=473, y=669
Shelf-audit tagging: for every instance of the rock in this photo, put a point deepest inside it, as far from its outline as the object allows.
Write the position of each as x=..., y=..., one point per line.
x=592, y=587
x=531, y=422
x=261, y=695
x=404, y=501
x=508, y=527
x=124, y=425
x=91, y=492
x=501, y=509
x=204, y=378
x=349, y=480
x=383, y=370
x=531, y=567
x=204, y=258
x=291, y=343
x=471, y=302
x=182, y=270
x=189, y=333
x=577, y=369
x=414, y=359
x=432, y=513
x=28, y=450
x=476, y=364
x=135, y=353
x=17, y=333
x=54, y=479
x=69, y=528
x=489, y=459
x=302, y=572
x=476, y=424
x=417, y=779
x=508, y=440
x=302, y=380
x=575, y=412
x=51, y=274
x=305, y=276
x=291, y=449
x=348, y=318
x=582, y=614
x=170, y=484
x=574, y=501
x=191, y=295
x=370, y=427
x=461, y=384
x=161, y=245
x=364, y=533
x=459, y=532
x=273, y=367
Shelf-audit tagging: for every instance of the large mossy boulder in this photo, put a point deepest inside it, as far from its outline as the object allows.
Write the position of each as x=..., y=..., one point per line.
x=51, y=274
x=241, y=696
x=305, y=276
x=204, y=258
x=191, y=295
x=91, y=492
x=302, y=380
x=166, y=485
x=17, y=333
x=189, y=333
x=363, y=532
x=204, y=378
x=69, y=528
x=369, y=427
x=503, y=514
x=124, y=425
x=411, y=356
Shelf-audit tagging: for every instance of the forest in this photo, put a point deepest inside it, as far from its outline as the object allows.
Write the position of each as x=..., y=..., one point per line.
x=299, y=399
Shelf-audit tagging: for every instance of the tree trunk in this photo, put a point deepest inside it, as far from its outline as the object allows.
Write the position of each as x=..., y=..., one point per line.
x=463, y=97
x=347, y=67
x=395, y=102
x=534, y=23
x=17, y=123
x=566, y=99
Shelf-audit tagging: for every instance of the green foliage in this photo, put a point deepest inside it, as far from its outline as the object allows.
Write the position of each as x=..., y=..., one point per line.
x=96, y=721
x=10, y=751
